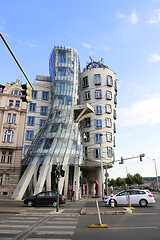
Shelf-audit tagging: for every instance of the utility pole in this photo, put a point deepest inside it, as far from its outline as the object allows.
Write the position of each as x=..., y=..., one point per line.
x=57, y=177
x=101, y=166
x=156, y=174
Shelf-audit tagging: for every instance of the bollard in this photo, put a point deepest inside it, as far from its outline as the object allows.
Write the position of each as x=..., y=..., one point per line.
x=112, y=200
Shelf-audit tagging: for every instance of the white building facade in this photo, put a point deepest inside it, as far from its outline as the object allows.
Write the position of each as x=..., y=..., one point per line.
x=99, y=89
x=37, y=110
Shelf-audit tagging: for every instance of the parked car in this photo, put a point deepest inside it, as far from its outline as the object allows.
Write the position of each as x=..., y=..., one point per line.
x=137, y=197
x=44, y=199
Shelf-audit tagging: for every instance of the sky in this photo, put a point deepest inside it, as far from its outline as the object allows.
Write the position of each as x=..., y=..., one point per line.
x=125, y=33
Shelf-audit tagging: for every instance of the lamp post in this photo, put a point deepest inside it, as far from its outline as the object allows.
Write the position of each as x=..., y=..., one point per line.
x=101, y=166
x=156, y=174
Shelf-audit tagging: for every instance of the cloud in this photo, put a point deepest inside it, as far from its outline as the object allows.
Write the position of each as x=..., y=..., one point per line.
x=155, y=18
x=143, y=112
x=154, y=57
x=86, y=45
x=132, y=18
x=30, y=44
x=100, y=47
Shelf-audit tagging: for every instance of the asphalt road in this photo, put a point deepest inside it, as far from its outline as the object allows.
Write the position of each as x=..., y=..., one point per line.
x=44, y=223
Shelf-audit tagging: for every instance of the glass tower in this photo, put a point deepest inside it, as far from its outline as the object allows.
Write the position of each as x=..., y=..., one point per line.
x=59, y=139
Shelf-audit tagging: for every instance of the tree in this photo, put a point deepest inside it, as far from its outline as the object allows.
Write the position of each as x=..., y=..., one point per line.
x=120, y=181
x=138, y=179
x=129, y=179
x=112, y=183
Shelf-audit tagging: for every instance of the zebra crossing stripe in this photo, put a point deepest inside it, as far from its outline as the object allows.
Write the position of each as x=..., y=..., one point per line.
x=54, y=232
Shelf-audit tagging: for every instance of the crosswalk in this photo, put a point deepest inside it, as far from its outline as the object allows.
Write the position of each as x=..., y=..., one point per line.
x=59, y=227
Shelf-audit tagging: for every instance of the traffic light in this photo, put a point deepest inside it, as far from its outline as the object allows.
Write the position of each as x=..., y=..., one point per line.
x=26, y=93
x=141, y=157
x=122, y=161
x=57, y=172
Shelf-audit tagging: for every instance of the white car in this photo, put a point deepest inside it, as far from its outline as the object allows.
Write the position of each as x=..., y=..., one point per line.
x=137, y=197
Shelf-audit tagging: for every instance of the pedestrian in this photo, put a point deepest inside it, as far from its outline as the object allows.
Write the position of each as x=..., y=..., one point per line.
x=72, y=197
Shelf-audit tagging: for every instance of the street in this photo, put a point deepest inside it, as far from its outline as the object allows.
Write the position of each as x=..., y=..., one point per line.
x=45, y=223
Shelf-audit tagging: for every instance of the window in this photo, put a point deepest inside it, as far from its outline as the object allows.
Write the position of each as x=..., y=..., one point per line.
x=7, y=180
x=86, y=152
x=30, y=121
x=97, y=79
x=108, y=108
x=98, y=94
x=45, y=95
x=108, y=122
x=98, y=123
x=109, y=152
x=26, y=147
x=87, y=95
x=98, y=138
x=114, y=127
x=109, y=81
x=86, y=136
x=9, y=118
x=109, y=137
x=17, y=103
x=48, y=143
x=42, y=121
x=98, y=110
x=58, y=114
x=29, y=135
x=9, y=157
x=115, y=87
x=44, y=110
x=14, y=118
x=108, y=95
x=16, y=92
x=62, y=56
x=85, y=82
x=114, y=114
x=32, y=107
x=34, y=94
x=3, y=156
x=87, y=122
x=115, y=99
x=97, y=153
x=1, y=178
x=11, y=103
x=8, y=137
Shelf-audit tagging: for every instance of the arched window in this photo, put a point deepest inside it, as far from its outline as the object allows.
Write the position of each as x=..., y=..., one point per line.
x=16, y=92
x=8, y=137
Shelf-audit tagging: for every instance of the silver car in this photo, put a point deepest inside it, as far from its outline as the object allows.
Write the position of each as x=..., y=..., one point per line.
x=137, y=197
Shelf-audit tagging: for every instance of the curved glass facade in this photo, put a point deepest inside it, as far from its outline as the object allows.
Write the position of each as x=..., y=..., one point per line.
x=59, y=139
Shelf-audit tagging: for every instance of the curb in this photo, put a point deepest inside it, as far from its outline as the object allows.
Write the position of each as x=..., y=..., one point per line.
x=16, y=212
x=83, y=211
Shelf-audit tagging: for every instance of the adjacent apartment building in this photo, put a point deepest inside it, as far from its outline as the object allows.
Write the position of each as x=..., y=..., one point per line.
x=12, y=121
x=37, y=110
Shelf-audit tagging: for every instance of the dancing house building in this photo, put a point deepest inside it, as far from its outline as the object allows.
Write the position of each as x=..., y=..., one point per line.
x=59, y=140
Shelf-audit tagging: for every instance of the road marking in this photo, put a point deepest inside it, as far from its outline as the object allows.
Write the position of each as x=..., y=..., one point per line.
x=24, y=218
x=130, y=228
x=145, y=214
x=63, y=223
x=42, y=239
x=9, y=231
x=14, y=226
x=54, y=232
x=16, y=221
x=56, y=227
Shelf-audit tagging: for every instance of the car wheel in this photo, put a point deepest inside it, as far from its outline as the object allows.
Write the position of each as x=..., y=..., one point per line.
x=54, y=204
x=143, y=203
x=29, y=204
x=115, y=203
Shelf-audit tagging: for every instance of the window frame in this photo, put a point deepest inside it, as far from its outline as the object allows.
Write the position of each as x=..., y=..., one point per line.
x=87, y=95
x=108, y=95
x=97, y=79
x=98, y=94
x=109, y=82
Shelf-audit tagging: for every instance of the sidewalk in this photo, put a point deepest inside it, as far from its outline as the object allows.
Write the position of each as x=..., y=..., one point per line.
x=86, y=206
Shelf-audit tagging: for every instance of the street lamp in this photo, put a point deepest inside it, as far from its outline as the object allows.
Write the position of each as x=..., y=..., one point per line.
x=101, y=166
